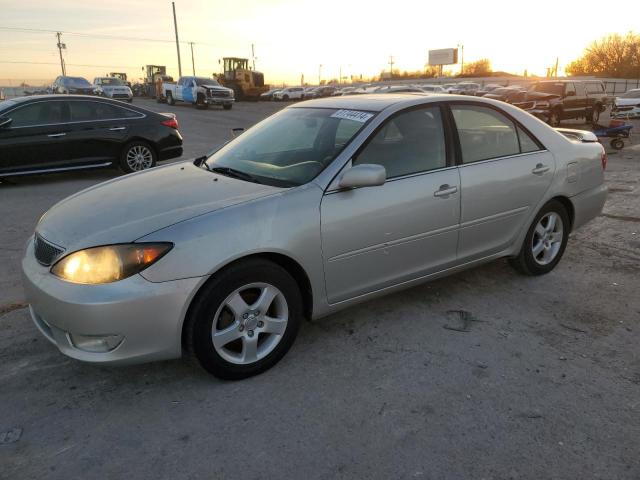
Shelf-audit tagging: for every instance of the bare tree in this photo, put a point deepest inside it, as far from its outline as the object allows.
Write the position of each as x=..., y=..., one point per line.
x=615, y=56
x=479, y=67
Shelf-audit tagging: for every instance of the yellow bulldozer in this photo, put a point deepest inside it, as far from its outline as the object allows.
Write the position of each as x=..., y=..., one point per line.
x=247, y=84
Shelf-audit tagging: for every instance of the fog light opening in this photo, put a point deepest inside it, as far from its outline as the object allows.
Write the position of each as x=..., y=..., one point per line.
x=96, y=343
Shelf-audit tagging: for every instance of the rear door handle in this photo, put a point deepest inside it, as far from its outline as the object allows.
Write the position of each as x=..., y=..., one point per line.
x=445, y=191
x=115, y=129
x=540, y=169
x=54, y=135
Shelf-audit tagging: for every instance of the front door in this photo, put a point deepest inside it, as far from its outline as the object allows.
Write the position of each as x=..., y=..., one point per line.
x=375, y=237
x=36, y=138
x=504, y=175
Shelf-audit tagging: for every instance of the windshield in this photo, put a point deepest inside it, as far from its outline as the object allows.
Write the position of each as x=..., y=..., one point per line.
x=205, y=81
x=291, y=147
x=75, y=82
x=631, y=94
x=111, y=81
x=552, y=88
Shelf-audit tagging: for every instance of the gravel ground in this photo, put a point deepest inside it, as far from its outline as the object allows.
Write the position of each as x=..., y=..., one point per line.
x=539, y=378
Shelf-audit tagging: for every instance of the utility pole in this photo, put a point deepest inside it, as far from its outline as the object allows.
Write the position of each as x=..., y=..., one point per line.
x=193, y=63
x=555, y=69
x=340, y=78
x=461, y=59
x=175, y=25
x=253, y=57
x=61, y=46
x=391, y=62
x=319, y=74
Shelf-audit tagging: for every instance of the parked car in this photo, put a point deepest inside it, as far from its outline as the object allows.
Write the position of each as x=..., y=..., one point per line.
x=199, y=91
x=398, y=89
x=289, y=93
x=488, y=88
x=566, y=99
x=627, y=105
x=269, y=94
x=507, y=94
x=467, y=88
x=314, y=209
x=73, y=85
x=309, y=93
x=54, y=133
x=432, y=88
x=113, y=88
x=451, y=87
x=325, y=91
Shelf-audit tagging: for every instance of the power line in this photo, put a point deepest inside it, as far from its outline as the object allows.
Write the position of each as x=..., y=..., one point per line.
x=96, y=35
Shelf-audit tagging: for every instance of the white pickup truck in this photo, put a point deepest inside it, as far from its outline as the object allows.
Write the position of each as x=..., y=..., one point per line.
x=199, y=91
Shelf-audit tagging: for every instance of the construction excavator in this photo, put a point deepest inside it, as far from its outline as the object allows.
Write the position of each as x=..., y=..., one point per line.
x=247, y=84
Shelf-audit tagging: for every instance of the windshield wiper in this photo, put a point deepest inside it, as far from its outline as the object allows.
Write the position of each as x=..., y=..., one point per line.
x=232, y=172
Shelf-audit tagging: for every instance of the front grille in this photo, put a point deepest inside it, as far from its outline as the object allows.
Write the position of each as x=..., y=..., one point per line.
x=219, y=93
x=45, y=252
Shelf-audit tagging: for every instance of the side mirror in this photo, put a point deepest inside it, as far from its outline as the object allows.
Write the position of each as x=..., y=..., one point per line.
x=5, y=122
x=237, y=131
x=365, y=175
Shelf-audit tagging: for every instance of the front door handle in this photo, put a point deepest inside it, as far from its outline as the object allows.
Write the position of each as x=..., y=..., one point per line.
x=115, y=129
x=54, y=135
x=540, y=169
x=445, y=190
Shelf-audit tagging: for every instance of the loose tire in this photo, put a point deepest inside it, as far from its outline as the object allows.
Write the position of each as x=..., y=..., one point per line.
x=137, y=156
x=545, y=241
x=244, y=320
x=170, y=99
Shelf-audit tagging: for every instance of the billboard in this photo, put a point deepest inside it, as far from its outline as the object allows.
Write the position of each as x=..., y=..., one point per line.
x=444, y=56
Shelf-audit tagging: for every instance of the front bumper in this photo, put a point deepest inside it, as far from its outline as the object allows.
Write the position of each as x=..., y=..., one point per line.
x=141, y=320
x=220, y=100
x=625, y=112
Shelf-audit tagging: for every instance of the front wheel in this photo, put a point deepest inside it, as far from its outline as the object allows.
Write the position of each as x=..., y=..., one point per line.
x=545, y=241
x=137, y=156
x=170, y=99
x=244, y=320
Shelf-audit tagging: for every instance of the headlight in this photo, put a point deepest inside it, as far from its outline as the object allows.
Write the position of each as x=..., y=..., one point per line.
x=110, y=263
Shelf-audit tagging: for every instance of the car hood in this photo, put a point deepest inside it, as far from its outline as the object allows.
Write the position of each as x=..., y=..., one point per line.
x=129, y=207
x=217, y=87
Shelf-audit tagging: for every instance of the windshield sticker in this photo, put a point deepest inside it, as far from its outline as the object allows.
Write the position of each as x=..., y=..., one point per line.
x=354, y=115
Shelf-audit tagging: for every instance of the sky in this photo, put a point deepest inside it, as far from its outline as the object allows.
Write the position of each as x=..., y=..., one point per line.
x=294, y=37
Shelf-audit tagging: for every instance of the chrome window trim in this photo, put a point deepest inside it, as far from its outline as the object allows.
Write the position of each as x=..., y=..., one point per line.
x=141, y=115
x=494, y=159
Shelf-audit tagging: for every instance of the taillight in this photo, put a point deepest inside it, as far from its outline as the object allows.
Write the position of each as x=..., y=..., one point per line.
x=171, y=123
x=604, y=159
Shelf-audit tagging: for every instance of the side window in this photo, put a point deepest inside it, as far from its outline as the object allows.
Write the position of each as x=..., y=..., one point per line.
x=41, y=113
x=484, y=133
x=580, y=90
x=410, y=142
x=82, y=111
x=527, y=144
x=569, y=88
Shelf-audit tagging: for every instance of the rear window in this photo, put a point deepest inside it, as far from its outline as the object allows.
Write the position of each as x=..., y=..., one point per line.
x=595, y=87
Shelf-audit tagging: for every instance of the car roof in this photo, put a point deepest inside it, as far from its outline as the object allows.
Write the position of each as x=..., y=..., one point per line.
x=34, y=98
x=372, y=102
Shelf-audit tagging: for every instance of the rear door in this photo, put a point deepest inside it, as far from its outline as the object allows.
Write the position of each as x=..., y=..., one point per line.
x=36, y=139
x=376, y=237
x=98, y=131
x=504, y=174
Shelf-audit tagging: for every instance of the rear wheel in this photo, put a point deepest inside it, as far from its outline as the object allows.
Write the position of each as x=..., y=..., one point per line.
x=545, y=241
x=617, y=143
x=137, y=156
x=244, y=320
x=285, y=97
x=554, y=118
x=594, y=115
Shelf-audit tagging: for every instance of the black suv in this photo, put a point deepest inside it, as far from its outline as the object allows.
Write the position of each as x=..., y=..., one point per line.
x=557, y=100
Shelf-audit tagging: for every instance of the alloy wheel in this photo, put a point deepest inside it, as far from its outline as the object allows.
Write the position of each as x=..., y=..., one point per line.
x=250, y=323
x=547, y=238
x=139, y=158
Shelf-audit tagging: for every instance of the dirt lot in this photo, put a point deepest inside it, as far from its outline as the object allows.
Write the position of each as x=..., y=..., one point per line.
x=539, y=380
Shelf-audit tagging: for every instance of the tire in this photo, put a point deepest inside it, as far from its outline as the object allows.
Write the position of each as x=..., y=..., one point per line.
x=594, y=114
x=137, y=156
x=170, y=99
x=617, y=143
x=243, y=285
x=228, y=107
x=528, y=262
x=285, y=97
x=200, y=103
x=554, y=118
x=130, y=100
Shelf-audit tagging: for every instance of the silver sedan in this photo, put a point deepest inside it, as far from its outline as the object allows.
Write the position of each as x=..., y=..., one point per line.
x=325, y=204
